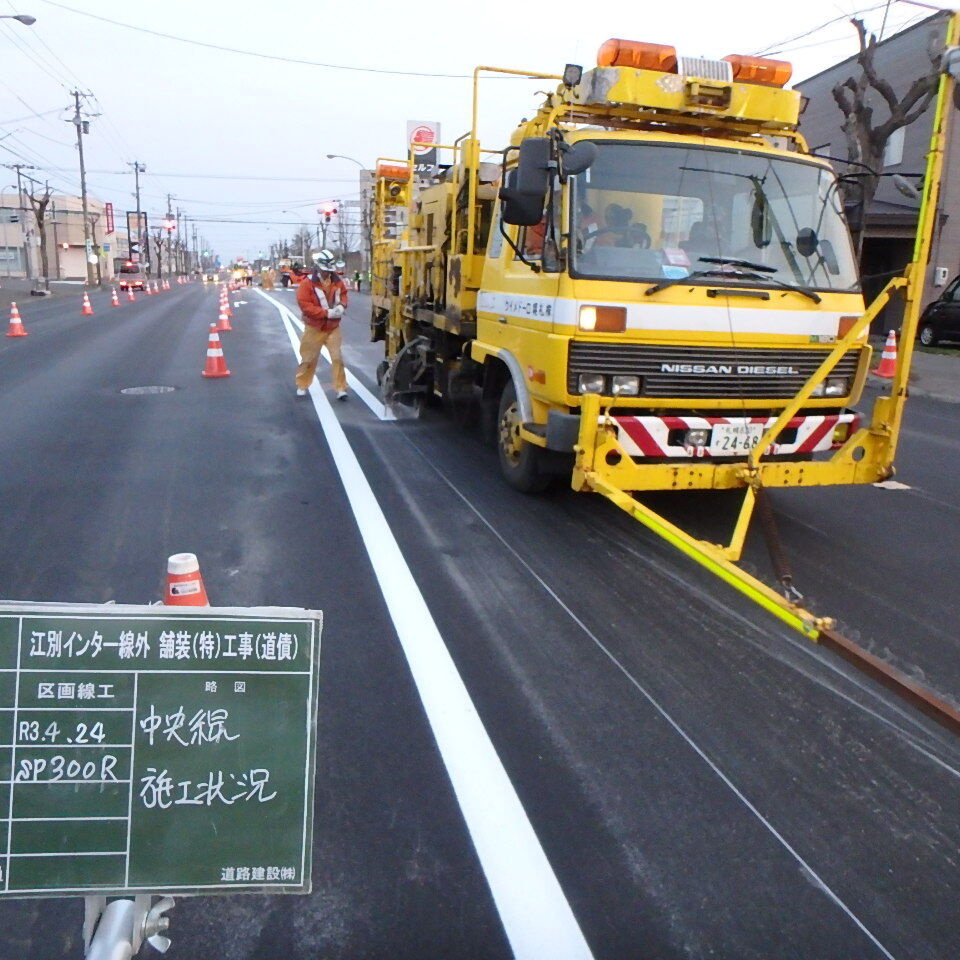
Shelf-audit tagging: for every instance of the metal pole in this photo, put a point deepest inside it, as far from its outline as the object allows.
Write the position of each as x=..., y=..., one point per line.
x=87, y=245
x=139, y=168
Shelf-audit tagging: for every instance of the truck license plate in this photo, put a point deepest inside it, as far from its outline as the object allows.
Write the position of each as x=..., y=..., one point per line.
x=736, y=437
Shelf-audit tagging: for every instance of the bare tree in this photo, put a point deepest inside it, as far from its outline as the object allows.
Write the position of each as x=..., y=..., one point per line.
x=39, y=205
x=158, y=239
x=346, y=233
x=301, y=244
x=866, y=136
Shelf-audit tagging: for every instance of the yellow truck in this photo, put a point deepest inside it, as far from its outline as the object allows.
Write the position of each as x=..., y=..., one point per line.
x=652, y=287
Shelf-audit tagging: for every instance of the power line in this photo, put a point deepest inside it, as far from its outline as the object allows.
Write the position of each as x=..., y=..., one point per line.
x=264, y=56
x=229, y=176
x=772, y=48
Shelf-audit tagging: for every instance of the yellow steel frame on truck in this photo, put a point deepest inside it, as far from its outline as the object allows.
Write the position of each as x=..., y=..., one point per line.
x=640, y=106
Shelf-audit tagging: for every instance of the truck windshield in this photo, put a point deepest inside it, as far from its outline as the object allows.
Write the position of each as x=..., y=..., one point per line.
x=653, y=212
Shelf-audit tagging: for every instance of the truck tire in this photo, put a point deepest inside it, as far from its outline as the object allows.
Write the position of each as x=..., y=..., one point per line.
x=520, y=462
x=928, y=336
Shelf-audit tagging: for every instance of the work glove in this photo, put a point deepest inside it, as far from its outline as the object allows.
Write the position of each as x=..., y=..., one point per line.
x=335, y=313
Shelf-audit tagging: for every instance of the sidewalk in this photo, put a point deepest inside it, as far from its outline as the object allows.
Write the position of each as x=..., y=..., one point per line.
x=18, y=289
x=934, y=374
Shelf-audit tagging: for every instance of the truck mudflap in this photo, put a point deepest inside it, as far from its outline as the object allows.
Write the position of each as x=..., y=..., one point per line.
x=644, y=437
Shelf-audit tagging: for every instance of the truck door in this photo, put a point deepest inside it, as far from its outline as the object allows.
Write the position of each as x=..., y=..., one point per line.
x=514, y=294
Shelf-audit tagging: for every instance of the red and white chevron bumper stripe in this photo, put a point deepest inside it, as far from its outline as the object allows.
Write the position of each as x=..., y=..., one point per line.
x=651, y=436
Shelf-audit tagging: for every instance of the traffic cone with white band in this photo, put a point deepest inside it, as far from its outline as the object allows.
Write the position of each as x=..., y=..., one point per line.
x=87, y=310
x=130, y=296
x=16, y=324
x=184, y=582
x=223, y=321
x=114, y=299
x=887, y=367
x=216, y=364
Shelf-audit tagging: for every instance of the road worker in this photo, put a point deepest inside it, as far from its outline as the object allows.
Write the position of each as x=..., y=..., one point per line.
x=322, y=297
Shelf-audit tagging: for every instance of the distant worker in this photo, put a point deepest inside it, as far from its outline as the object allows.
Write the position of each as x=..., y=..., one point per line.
x=356, y=281
x=323, y=298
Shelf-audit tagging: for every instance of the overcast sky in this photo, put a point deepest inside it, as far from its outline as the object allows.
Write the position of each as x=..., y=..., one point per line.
x=201, y=119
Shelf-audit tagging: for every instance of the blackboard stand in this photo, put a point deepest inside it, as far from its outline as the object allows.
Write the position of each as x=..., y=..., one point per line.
x=116, y=930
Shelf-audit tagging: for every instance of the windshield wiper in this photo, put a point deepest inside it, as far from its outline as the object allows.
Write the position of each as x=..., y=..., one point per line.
x=734, y=262
x=783, y=285
x=742, y=277
x=663, y=284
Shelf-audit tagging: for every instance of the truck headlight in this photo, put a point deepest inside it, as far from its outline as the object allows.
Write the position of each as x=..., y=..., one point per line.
x=836, y=387
x=591, y=382
x=602, y=319
x=624, y=386
x=832, y=387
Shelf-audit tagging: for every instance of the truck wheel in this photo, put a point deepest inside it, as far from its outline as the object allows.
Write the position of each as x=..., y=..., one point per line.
x=519, y=460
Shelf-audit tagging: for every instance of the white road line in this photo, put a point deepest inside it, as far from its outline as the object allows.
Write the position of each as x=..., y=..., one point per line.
x=533, y=908
x=379, y=409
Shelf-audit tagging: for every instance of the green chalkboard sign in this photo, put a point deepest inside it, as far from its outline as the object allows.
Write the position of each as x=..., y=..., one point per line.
x=156, y=748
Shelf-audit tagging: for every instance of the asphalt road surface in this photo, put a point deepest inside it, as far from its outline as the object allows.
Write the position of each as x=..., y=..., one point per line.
x=666, y=771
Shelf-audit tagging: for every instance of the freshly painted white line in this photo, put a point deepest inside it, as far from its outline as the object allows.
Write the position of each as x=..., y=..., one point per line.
x=533, y=908
x=377, y=407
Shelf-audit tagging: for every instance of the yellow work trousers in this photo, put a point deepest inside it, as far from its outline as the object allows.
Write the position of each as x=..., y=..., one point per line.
x=311, y=343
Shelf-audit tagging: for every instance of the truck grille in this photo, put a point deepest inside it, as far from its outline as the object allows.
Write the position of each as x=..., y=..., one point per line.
x=728, y=380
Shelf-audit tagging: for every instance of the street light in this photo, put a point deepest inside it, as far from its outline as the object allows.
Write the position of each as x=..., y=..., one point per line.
x=340, y=156
x=24, y=18
x=364, y=212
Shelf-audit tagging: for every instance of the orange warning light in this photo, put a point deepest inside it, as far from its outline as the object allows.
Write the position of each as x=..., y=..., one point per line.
x=768, y=73
x=640, y=56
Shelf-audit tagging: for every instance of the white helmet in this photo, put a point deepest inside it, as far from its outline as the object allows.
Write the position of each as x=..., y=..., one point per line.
x=324, y=260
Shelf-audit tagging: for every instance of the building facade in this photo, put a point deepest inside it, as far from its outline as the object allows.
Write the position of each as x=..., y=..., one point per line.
x=890, y=221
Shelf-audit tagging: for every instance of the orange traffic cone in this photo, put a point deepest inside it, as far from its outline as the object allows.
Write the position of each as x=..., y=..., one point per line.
x=87, y=310
x=887, y=367
x=114, y=299
x=225, y=306
x=166, y=284
x=184, y=582
x=147, y=290
x=216, y=365
x=16, y=324
x=223, y=321
x=156, y=288
x=130, y=295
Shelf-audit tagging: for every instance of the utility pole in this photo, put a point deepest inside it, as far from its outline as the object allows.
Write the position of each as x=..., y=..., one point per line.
x=169, y=225
x=138, y=168
x=24, y=233
x=83, y=126
x=180, y=256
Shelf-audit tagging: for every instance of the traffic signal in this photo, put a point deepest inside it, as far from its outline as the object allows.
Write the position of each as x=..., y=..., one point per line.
x=329, y=210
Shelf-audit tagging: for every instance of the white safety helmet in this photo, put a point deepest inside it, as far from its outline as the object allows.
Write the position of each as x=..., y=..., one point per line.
x=324, y=260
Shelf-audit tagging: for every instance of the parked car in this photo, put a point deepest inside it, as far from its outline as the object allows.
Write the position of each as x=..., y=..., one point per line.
x=941, y=319
x=131, y=276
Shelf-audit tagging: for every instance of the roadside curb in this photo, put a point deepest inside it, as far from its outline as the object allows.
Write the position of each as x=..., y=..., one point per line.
x=914, y=391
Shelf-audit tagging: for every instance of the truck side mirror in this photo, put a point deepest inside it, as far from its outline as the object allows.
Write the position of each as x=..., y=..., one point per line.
x=578, y=158
x=520, y=209
x=535, y=166
x=807, y=242
x=525, y=187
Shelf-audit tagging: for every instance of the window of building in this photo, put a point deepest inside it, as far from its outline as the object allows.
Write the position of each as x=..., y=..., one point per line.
x=893, y=151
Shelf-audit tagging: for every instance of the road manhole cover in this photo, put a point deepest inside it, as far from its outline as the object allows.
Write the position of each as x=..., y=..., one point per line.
x=141, y=391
